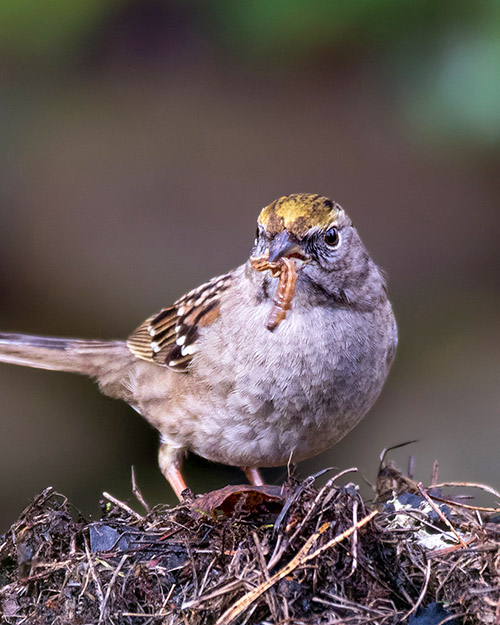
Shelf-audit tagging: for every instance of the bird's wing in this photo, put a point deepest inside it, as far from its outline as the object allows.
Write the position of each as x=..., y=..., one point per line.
x=168, y=338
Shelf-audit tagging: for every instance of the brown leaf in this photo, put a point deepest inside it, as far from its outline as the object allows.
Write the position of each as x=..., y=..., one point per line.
x=246, y=497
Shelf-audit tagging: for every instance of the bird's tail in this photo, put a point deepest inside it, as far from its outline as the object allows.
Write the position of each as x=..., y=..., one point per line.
x=93, y=358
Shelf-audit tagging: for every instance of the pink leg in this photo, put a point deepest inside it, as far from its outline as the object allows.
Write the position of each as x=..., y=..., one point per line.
x=253, y=476
x=170, y=466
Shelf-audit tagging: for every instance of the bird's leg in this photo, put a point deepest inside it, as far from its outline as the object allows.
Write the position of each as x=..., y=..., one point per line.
x=170, y=465
x=253, y=476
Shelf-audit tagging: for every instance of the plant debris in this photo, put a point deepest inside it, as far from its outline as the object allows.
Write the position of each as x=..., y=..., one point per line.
x=295, y=554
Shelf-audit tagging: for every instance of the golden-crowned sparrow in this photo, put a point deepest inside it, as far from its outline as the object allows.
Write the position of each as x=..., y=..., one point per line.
x=273, y=362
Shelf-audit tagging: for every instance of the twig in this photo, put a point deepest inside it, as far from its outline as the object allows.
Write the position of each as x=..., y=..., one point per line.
x=273, y=600
x=48, y=571
x=159, y=614
x=449, y=502
x=487, y=489
x=453, y=617
x=97, y=584
x=354, y=543
x=422, y=593
x=207, y=573
x=437, y=553
x=138, y=494
x=346, y=603
x=435, y=473
x=441, y=515
x=279, y=550
x=235, y=584
x=386, y=450
x=123, y=506
x=110, y=586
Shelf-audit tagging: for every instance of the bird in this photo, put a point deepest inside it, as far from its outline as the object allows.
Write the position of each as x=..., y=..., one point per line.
x=271, y=363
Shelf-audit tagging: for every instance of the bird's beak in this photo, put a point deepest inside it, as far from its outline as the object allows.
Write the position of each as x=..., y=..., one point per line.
x=284, y=245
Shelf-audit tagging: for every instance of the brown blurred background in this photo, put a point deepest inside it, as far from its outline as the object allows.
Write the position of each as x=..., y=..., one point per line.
x=140, y=138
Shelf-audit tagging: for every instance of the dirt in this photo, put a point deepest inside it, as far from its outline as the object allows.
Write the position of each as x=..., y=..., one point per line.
x=293, y=554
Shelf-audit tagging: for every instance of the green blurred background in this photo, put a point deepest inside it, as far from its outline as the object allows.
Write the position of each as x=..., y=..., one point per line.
x=140, y=138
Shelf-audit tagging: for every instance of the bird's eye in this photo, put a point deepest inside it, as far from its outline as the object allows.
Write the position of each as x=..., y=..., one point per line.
x=332, y=237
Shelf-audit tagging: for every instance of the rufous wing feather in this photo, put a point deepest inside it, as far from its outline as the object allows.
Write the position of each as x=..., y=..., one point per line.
x=168, y=338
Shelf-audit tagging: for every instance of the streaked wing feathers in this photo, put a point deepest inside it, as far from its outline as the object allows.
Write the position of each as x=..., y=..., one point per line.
x=168, y=338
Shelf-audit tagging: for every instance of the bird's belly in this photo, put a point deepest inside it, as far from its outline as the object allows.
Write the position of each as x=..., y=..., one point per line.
x=271, y=421
x=271, y=442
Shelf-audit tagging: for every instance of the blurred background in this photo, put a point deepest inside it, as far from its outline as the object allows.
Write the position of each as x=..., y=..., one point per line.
x=140, y=139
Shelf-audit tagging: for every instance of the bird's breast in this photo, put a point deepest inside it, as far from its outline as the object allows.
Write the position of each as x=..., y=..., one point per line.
x=297, y=389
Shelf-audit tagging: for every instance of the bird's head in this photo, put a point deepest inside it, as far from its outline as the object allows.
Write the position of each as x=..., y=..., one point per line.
x=298, y=225
x=329, y=256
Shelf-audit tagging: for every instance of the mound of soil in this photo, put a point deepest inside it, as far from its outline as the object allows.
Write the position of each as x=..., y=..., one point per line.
x=292, y=554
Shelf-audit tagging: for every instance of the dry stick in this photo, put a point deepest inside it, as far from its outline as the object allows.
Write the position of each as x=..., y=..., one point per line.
x=137, y=492
x=441, y=515
x=205, y=577
x=299, y=560
x=359, y=613
x=234, y=585
x=464, y=505
x=142, y=614
x=123, y=506
x=279, y=550
x=273, y=600
x=422, y=593
x=487, y=489
x=479, y=519
x=47, y=571
x=110, y=586
x=452, y=617
x=167, y=598
x=288, y=503
x=437, y=553
x=435, y=473
x=97, y=584
x=354, y=546
x=343, y=602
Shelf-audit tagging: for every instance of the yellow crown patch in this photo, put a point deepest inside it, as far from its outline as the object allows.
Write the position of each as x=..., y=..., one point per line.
x=298, y=213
